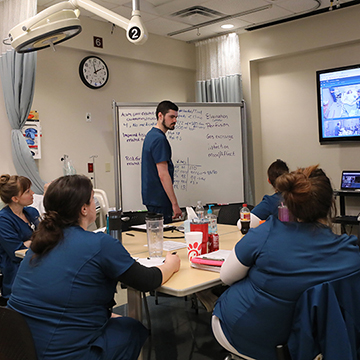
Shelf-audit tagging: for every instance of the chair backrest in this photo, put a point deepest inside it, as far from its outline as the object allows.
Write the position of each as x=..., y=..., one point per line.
x=230, y=214
x=327, y=321
x=103, y=204
x=16, y=341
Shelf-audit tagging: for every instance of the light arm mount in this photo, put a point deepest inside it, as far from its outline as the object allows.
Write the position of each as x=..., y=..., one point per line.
x=61, y=21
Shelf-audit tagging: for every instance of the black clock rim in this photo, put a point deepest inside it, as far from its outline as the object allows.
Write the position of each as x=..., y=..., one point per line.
x=81, y=74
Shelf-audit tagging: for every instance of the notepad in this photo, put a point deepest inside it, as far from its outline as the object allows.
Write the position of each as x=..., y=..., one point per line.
x=149, y=262
x=172, y=245
x=211, y=261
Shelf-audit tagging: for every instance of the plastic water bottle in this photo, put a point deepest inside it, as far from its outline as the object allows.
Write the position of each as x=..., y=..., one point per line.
x=199, y=210
x=245, y=219
x=213, y=242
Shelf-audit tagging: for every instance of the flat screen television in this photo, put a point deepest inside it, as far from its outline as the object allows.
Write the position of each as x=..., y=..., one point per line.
x=338, y=94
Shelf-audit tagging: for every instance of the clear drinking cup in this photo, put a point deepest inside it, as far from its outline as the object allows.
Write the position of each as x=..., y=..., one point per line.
x=154, y=229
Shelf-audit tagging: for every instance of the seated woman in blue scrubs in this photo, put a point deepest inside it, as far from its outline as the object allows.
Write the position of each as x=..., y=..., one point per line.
x=17, y=223
x=66, y=282
x=269, y=204
x=273, y=264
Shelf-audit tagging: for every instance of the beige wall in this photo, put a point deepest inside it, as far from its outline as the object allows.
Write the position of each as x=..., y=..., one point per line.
x=160, y=69
x=279, y=65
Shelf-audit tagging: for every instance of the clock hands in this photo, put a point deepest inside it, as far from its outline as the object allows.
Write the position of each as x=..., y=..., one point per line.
x=99, y=70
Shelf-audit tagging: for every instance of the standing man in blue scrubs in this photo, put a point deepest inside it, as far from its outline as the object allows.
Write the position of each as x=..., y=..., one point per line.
x=157, y=169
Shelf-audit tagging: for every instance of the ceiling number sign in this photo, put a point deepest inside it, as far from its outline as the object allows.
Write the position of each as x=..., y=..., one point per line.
x=134, y=33
x=98, y=42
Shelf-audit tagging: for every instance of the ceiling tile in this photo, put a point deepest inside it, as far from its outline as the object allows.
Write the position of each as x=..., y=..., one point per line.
x=157, y=14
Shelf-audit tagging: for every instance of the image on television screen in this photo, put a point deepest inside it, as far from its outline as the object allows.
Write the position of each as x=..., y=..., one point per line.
x=339, y=104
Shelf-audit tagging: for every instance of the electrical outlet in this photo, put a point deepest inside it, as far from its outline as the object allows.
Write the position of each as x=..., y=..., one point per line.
x=88, y=117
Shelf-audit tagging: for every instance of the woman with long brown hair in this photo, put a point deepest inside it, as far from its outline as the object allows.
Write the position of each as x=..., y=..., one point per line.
x=67, y=280
x=17, y=222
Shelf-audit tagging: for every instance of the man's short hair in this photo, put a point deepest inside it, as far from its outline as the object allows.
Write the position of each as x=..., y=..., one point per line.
x=276, y=169
x=164, y=108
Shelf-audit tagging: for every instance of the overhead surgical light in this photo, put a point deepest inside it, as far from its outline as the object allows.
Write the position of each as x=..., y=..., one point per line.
x=61, y=22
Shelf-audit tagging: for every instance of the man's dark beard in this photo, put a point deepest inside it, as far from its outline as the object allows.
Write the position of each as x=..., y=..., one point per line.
x=166, y=127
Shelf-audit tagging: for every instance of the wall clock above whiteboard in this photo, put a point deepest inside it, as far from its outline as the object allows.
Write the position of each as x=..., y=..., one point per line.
x=93, y=72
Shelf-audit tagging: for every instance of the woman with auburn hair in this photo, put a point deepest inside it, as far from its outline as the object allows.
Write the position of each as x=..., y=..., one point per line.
x=273, y=264
x=66, y=282
x=17, y=223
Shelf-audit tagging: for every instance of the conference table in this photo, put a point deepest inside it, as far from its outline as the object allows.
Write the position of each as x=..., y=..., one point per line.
x=187, y=280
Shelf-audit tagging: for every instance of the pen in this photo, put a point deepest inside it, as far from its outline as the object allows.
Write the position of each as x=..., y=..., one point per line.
x=130, y=234
x=208, y=258
x=173, y=253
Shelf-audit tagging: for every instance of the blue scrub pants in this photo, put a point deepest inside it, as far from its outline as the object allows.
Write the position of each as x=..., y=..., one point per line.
x=165, y=210
x=122, y=339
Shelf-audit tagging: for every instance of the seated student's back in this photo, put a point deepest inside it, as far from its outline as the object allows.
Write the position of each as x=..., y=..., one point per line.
x=273, y=264
x=270, y=203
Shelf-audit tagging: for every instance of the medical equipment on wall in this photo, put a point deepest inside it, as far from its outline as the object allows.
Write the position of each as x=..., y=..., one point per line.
x=68, y=168
x=61, y=21
x=91, y=169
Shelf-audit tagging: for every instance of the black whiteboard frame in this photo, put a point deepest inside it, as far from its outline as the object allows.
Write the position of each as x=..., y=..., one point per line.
x=116, y=126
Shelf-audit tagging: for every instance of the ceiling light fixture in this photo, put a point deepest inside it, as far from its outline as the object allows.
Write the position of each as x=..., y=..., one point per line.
x=61, y=22
x=227, y=26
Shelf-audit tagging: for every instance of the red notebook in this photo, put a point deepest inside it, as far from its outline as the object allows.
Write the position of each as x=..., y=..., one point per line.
x=207, y=261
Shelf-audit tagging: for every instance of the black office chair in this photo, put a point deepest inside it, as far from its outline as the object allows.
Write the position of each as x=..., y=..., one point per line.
x=16, y=341
x=230, y=214
x=130, y=218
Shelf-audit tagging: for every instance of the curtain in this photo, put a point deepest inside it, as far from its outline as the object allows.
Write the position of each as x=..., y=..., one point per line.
x=218, y=73
x=17, y=73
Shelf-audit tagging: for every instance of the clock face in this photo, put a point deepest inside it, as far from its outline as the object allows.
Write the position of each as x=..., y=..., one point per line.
x=93, y=72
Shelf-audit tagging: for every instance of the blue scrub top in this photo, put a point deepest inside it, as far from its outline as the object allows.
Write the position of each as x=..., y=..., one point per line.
x=65, y=296
x=13, y=232
x=156, y=149
x=268, y=206
x=284, y=259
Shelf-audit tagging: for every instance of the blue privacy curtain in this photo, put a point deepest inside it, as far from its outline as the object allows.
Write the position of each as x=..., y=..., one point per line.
x=219, y=80
x=17, y=73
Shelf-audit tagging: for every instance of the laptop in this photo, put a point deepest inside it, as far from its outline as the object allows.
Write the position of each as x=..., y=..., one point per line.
x=350, y=180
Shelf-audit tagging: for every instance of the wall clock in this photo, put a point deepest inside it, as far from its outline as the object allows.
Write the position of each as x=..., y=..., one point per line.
x=93, y=72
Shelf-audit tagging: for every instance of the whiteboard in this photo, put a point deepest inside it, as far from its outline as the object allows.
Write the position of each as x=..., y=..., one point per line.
x=206, y=152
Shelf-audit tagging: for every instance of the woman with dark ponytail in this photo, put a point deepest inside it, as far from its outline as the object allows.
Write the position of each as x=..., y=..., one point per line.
x=67, y=281
x=18, y=220
x=273, y=264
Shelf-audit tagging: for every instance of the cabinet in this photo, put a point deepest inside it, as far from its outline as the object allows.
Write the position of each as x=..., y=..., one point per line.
x=344, y=219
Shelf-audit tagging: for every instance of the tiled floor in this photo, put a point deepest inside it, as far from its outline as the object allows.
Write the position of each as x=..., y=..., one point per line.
x=177, y=331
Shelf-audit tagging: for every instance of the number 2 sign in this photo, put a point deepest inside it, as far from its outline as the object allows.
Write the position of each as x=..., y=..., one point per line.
x=134, y=33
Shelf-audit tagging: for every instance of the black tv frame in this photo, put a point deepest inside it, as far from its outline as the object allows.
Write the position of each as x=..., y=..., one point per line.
x=337, y=83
